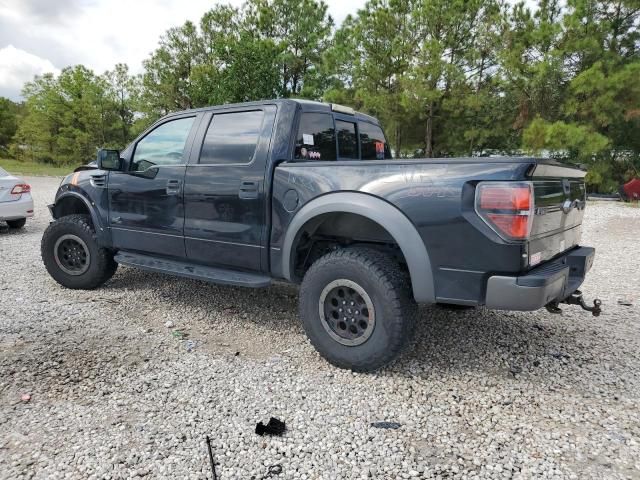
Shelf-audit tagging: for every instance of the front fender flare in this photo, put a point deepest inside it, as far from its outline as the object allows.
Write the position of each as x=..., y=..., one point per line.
x=101, y=232
x=387, y=216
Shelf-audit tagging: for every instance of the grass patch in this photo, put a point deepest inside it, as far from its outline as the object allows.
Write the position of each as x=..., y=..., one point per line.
x=31, y=168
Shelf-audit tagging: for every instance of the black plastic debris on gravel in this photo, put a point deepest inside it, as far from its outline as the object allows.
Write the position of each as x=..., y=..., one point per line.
x=386, y=425
x=274, y=427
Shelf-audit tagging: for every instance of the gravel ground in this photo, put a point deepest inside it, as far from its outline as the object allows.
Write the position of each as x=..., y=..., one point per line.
x=115, y=393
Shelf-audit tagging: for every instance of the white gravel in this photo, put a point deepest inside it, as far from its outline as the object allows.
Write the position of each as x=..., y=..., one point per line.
x=126, y=381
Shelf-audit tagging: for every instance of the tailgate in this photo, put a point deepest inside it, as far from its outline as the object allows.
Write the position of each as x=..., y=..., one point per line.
x=560, y=199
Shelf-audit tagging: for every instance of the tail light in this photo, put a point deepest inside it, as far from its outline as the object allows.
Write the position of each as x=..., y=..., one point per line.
x=507, y=207
x=20, y=188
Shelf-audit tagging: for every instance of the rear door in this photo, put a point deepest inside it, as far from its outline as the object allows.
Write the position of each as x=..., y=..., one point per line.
x=225, y=198
x=560, y=200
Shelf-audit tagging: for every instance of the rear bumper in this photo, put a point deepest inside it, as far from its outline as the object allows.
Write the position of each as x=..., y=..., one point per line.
x=22, y=208
x=552, y=281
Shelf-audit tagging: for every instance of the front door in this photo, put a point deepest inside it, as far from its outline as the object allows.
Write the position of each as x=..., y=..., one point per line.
x=224, y=191
x=146, y=202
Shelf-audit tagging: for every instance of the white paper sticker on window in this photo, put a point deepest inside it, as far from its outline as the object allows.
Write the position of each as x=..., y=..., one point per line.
x=307, y=139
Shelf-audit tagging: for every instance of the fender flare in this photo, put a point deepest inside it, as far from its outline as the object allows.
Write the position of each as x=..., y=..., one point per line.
x=101, y=233
x=383, y=213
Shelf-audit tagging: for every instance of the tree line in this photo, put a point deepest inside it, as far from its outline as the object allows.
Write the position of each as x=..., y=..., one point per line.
x=445, y=77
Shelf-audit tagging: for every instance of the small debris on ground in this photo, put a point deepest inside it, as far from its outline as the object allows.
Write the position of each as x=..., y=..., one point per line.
x=169, y=324
x=515, y=369
x=190, y=345
x=179, y=334
x=211, y=461
x=274, y=427
x=387, y=425
x=25, y=398
x=625, y=301
x=274, y=470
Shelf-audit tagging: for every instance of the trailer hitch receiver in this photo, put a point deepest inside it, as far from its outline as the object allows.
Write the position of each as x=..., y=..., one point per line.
x=576, y=298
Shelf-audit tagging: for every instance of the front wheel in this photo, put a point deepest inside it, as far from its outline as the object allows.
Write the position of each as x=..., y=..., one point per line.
x=72, y=255
x=357, y=309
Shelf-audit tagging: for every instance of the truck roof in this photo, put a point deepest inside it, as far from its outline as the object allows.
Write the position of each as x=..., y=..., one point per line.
x=305, y=105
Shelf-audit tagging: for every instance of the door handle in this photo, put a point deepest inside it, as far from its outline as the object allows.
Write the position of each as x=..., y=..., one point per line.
x=173, y=187
x=249, y=190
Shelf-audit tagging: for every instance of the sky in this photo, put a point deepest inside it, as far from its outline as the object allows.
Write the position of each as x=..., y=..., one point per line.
x=40, y=36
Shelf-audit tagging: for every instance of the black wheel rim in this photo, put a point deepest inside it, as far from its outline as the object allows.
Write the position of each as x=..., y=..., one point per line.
x=72, y=254
x=346, y=312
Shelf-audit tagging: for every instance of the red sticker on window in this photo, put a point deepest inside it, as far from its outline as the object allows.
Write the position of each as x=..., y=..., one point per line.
x=380, y=150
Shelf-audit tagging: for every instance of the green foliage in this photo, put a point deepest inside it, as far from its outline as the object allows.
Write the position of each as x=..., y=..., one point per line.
x=18, y=167
x=9, y=117
x=299, y=30
x=571, y=141
x=67, y=118
x=446, y=78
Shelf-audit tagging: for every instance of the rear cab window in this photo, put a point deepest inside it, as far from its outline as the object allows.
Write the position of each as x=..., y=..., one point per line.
x=316, y=139
x=373, y=144
x=347, y=140
x=321, y=137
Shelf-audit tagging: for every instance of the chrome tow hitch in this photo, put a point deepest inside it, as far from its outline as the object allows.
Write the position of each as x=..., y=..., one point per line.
x=576, y=298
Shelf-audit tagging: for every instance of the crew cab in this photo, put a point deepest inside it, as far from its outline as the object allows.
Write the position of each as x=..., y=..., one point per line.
x=309, y=193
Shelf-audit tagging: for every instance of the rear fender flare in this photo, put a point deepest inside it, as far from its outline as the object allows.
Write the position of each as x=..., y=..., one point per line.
x=383, y=213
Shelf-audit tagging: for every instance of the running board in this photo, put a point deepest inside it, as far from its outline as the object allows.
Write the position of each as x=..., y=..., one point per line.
x=195, y=272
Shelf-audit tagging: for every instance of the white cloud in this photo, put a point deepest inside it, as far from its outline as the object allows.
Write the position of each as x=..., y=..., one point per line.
x=18, y=66
x=99, y=33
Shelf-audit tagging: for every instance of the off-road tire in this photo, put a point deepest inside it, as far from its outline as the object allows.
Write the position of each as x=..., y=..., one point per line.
x=101, y=265
x=389, y=289
x=19, y=223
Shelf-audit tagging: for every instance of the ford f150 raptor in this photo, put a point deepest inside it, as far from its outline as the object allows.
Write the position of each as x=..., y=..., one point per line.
x=309, y=193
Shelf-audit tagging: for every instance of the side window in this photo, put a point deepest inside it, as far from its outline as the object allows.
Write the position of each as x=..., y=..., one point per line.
x=372, y=142
x=316, y=139
x=232, y=138
x=163, y=145
x=347, y=141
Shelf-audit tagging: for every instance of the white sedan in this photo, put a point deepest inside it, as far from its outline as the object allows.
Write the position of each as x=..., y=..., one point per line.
x=16, y=204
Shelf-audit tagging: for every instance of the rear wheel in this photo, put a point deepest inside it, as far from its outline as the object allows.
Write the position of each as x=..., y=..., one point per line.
x=357, y=309
x=19, y=223
x=72, y=255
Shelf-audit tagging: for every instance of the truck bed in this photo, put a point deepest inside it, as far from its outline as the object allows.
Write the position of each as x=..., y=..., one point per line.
x=437, y=196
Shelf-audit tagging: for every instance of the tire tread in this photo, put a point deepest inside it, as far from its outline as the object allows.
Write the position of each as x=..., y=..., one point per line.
x=106, y=266
x=385, y=270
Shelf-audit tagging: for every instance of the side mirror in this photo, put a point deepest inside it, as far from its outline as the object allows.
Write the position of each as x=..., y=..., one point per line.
x=109, y=159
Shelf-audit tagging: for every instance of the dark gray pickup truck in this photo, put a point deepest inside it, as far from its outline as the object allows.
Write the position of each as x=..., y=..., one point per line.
x=309, y=193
